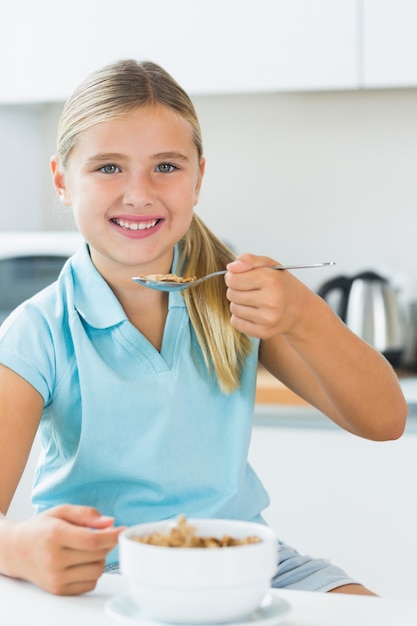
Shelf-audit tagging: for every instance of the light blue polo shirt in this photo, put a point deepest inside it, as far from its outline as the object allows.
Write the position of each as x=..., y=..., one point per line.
x=140, y=434
x=137, y=433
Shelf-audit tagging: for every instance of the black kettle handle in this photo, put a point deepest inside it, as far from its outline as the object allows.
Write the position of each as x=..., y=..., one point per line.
x=343, y=284
x=369, y=275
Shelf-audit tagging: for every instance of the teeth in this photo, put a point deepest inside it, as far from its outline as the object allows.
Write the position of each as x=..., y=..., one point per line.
x=135, y=225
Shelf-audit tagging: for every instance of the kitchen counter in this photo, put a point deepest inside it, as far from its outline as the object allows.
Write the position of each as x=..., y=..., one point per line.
x=269, y=390
x=278, y=405
x=23, y=604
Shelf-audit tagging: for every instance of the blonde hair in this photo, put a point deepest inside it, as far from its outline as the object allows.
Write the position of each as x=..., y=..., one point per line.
x=114, y=91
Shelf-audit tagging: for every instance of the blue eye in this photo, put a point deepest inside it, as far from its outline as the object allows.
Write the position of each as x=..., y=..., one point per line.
x=165, y=168
x=109, y=168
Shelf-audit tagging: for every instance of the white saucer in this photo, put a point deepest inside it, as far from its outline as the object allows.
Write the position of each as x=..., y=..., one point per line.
x=124, y=609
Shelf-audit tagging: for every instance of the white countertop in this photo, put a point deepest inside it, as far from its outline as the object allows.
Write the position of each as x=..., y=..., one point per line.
x=22, y=604
x=409, y=386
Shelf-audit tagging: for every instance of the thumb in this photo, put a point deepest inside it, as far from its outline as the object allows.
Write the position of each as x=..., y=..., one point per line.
x=245, y=262
x=81, y=516
x=242, y=263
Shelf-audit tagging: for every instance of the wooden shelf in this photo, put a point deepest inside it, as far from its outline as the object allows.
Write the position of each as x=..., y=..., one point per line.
x=269, y=390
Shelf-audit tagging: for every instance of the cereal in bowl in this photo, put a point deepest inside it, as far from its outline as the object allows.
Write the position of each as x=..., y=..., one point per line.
x=184, y=536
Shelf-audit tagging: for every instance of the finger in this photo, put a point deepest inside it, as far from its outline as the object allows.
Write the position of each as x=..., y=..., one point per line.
x=76, y=579
x=77, y=588
x=247, y=327
x=66, y=564
x=71, y=559
x=88, y=540
x=244, y=292
x=245, y=262
x=60, y=537
x=253, y=328
x=260, y=288
x=254, y=321
x=253, y=280
x=81, y=515
x=253, y=316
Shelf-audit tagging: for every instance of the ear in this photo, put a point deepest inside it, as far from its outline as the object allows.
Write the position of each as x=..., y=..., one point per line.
x=58, y=179
x=200, y=179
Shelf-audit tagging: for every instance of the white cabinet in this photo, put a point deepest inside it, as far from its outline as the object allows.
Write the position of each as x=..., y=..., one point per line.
x=389, y=43
x=345, y=499
x=210, y=47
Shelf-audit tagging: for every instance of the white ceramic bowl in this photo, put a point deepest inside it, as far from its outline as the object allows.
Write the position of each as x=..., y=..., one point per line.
x=199, y=585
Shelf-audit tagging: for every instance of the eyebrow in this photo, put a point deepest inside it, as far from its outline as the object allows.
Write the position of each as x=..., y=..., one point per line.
x=171, y=155
x=105, y=156
x=160, y=156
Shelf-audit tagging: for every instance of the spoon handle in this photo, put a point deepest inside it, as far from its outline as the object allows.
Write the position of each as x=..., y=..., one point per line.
x=302, y=266
x=279, y=267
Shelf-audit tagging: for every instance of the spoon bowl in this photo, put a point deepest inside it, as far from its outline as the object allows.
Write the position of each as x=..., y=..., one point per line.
x=174, y=283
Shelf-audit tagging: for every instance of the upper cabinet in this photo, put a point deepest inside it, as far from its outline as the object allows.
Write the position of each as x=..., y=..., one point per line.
x=389, y=43
x=221, y=46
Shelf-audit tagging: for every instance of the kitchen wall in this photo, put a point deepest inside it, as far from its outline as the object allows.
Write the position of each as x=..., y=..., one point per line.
x=299, y=177
x=315, y=176
x=21, y=185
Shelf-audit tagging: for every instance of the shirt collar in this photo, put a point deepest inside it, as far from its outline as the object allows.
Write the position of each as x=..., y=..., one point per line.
x=93, y=298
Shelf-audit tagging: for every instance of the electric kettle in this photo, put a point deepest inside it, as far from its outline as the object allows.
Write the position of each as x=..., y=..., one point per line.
x=369, y=306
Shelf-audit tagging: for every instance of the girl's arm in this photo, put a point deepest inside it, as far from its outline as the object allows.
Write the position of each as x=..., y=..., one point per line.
x=62, y=550
x=20, y=412
x=306, y=346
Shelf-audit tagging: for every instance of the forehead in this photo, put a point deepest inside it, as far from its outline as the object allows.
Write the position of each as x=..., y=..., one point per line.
x=159, y=123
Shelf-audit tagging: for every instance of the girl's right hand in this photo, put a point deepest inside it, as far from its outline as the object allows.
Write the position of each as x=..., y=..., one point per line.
x=62, y=550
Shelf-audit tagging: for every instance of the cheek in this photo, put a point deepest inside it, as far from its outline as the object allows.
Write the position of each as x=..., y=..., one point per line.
x=84, y=197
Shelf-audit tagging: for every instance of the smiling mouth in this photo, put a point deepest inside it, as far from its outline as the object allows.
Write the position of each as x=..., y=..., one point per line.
x=128, y=225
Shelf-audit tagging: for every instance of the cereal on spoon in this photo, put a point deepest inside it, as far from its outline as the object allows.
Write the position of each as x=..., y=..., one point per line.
x=168, y=278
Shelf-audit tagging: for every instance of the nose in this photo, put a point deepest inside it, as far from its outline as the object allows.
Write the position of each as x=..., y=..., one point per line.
x=139, y=190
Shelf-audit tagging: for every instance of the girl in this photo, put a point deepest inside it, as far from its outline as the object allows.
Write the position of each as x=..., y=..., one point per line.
x=144, y=400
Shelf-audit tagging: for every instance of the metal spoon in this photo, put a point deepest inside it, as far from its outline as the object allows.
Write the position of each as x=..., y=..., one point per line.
x=172, y=285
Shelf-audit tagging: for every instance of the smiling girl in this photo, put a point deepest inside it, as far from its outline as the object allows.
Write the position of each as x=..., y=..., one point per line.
x=144, y=401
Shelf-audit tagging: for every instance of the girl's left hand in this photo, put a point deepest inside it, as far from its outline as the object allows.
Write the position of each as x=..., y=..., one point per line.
x=263, y=302
x=306, y=346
